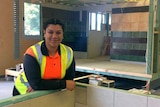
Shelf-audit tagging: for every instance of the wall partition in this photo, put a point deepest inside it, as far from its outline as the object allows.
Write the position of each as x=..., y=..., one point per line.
x=129, y=33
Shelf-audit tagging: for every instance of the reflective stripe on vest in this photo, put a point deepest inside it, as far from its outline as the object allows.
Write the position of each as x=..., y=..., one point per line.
x=40, y=58
x=21, y=82
x=66, y=53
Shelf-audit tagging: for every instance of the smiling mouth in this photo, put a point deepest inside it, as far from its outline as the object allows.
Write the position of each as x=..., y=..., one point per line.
x=53, y=41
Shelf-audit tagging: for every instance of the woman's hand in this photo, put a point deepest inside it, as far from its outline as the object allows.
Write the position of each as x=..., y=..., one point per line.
x=29, y=89
x=70, y=85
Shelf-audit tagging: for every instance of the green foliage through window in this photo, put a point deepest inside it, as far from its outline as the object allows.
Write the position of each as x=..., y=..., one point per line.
x=31, y=19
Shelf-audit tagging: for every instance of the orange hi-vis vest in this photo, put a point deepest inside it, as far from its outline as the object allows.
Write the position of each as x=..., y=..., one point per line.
x=21, y=82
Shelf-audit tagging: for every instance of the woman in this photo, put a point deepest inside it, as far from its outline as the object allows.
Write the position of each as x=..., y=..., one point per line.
x=49, y=64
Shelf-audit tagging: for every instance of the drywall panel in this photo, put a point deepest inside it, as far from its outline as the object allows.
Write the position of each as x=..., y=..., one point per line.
x=20, y=104
x=153, y=102
x=80, y=105
x=95, y=43
x=81, y=95
x=100, y=97
x=123, y=99
x=130, y=22
x=59, y=99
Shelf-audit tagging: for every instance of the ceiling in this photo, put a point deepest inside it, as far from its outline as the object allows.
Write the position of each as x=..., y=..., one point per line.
x=77, y=3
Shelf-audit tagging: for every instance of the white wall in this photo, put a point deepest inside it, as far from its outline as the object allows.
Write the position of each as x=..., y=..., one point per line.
x=95, y=43
x=93, y=96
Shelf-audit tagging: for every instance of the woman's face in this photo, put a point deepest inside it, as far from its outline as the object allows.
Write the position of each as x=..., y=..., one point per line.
x=53, y=35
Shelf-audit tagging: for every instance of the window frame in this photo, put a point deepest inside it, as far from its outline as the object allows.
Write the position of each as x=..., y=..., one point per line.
x=105, y=19
x=37, y=37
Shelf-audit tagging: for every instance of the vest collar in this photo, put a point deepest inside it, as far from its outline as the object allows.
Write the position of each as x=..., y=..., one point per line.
x=45, y=51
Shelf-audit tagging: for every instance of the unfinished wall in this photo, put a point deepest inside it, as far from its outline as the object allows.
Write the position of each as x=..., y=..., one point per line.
x=93, y=96
x=7, y=59
x=6, y=36
x=95, y=43
x=129, y=33
x=58, y=99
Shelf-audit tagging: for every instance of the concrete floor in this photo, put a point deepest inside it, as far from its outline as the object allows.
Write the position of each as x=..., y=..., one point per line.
x=6, y=88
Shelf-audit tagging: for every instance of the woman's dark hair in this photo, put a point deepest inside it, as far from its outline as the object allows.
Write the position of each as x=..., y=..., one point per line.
x=54, y=22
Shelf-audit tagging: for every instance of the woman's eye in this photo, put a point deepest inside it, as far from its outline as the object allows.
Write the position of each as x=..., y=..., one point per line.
x=58, y=32
x=50, y=32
